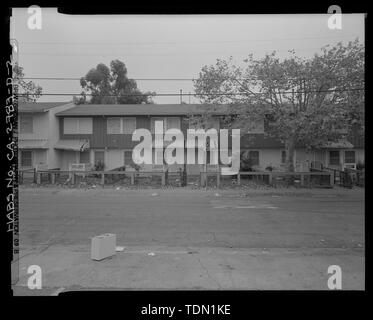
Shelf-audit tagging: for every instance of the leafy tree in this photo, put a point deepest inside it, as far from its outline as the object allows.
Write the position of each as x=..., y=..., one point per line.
x=304, y=101
x=111, y=86
x=29, y=90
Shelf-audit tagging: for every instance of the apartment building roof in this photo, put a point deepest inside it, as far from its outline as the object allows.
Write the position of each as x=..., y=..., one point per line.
x=38, y=106
x=141, y=109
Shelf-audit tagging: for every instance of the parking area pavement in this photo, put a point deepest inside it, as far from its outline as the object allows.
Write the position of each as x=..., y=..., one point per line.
x=192, y=239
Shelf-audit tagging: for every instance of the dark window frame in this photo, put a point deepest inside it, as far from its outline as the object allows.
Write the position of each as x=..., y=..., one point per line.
x=22, y=158
x=347, y=157
x=332, y=159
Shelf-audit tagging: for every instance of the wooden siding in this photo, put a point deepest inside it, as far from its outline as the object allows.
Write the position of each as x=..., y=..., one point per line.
x=99, y=139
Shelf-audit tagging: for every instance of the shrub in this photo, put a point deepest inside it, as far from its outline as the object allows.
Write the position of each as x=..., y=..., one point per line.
x=99, y=166
x=360, y=166
x=246, y=164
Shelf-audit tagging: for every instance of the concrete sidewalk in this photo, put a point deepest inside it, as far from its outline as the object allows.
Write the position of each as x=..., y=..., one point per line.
x=175, y=268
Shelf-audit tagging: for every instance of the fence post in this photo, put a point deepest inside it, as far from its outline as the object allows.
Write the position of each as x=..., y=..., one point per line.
x=73, y=178
x=331, y=178
x=132, y=178
x=103, y=179
x=35, y=176
x=53, y=176
x=163, y=178
x=218, y=179
x=38, y=178
x=238, y=178
x=302, y=179
x=270, y=179
x=203, y=179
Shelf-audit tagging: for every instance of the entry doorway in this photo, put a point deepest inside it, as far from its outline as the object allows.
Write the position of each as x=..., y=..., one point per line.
x=334, y=158
x=99, y=157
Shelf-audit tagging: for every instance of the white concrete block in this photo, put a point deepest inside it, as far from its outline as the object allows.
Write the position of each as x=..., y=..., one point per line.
x=103, y=246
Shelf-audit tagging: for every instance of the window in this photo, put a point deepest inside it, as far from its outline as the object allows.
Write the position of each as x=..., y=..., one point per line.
x=77, y=126
x=26, y=124
x=334, y=158
x=168, y=123
x=254, y=157
x=26, y=158
x=154, y=119
x=114, y=125
x=85, y=125
x=350, y=157
x=283, y=156
x=70, y=125
x=129, y=125
x=172, y=123
x=121, y=125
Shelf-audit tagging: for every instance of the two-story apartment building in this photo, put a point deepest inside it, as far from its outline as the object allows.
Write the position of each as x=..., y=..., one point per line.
x=38, y=133
x=103, y=133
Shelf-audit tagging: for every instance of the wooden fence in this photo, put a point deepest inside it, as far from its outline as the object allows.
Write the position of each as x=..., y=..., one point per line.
x=270, y=176
x=267, y=177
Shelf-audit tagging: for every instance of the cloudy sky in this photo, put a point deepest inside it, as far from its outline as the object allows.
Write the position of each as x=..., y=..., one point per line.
x=160, y=46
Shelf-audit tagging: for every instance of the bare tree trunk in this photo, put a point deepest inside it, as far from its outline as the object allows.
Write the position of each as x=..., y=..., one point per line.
x=290, y=147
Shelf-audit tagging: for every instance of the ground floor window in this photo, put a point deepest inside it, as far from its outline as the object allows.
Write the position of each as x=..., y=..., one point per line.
x=26, y=158
x=334, y=158
x=350, y=157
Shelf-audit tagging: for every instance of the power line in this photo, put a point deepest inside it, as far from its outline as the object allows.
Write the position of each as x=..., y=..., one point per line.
x=243, y=51
x=347, y=37
x=178, y=79
x=137, y=79
x=193, y=94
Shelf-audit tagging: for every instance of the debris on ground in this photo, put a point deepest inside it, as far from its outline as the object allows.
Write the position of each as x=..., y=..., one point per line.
x=151, y=254
x=119, y=249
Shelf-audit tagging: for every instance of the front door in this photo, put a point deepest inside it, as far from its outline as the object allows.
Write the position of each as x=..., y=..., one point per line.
x=128, y=161
x=334, y=159
x=99, y=157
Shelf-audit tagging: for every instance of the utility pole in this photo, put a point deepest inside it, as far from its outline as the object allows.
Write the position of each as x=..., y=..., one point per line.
x=181, y=96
